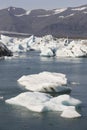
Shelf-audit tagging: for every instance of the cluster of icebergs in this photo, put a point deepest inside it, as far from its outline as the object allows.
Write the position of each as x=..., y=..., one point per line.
x=73, y=50
x=38, y=101
x=47, y=45
x=39, y=84
x=17, y=44
x=41, y=102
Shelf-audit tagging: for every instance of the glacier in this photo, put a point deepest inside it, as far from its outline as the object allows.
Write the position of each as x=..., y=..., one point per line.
x=47, y=46
x=17, y=44
x=42, y=102
x=72, y=50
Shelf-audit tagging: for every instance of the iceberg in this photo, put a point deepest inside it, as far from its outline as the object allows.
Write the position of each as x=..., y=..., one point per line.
x=18, y=44
x=70, y=113
x=45, y=82
x=34, y=101
x=47, y=52
x=6, y=39
x=44, y=43
x=50, y=46
x=42, y=102
x=47, y=45
x=72, y=50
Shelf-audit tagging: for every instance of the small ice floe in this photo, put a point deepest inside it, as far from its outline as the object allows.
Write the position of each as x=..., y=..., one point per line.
x=8, y=57
x=45, y=82
x=41, y=102
x=75, y=83
x=70, y=113
x=1, y=97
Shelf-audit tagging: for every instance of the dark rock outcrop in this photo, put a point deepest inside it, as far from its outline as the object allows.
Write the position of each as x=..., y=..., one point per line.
x=4, y=51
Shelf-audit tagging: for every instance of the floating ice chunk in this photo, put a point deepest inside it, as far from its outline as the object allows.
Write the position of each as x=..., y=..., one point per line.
x=70, y=113
x=39, y=102
x=64, y=53
x=6, y=39
x=18, y=44
x=45, y=81
x=46, y=52
x=75, y=83
x=34, y=101
x=66, y=100
x=72, y=50
x=62, y=102
x=1, y=97
x=8, y=58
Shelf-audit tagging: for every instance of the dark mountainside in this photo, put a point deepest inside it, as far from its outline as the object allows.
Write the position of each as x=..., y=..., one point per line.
x=63, y=22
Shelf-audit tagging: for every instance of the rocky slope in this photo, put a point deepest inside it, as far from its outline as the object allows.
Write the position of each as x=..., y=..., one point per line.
x=71, y=22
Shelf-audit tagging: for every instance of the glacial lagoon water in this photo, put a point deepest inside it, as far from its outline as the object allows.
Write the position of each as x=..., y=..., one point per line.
x=19, y=118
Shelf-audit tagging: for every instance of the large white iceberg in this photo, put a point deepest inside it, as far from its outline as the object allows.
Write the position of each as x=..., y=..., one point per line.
x=45, y=44
x=45, y=81
x=73, y=49
x=61, y=47
x=18, y=44
x=6, y=39
x=41, y=102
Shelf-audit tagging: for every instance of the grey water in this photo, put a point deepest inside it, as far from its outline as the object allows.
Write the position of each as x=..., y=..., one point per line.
x=14, y=117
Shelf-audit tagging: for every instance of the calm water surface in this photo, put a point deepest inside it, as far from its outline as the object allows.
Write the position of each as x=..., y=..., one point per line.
x=19, y=118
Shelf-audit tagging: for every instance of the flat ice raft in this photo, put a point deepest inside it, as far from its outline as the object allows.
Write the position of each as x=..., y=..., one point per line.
x=41, y=102
x=45, y=82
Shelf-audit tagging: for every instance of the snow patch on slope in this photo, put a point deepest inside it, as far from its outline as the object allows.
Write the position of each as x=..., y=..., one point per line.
x=80, y=9
x=60, y=10
x=55, y=11
x=70, y=15
x=27, y=13
x=44, y=15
